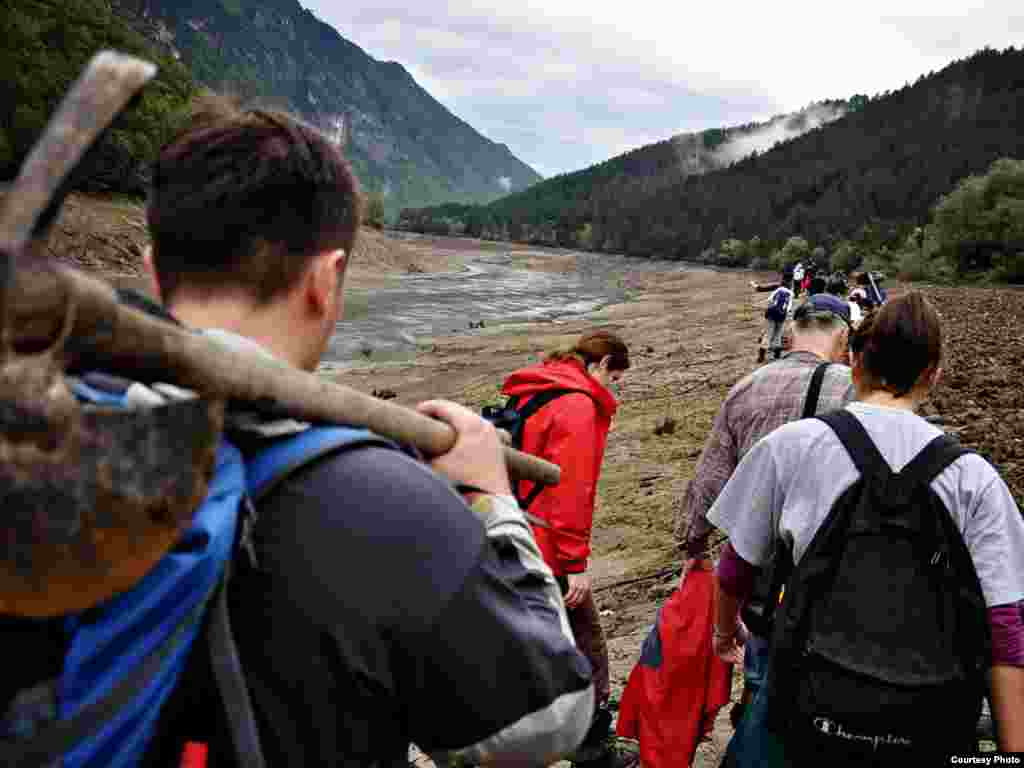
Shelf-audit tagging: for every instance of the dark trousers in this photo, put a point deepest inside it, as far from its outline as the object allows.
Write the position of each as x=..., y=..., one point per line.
x=586, y=629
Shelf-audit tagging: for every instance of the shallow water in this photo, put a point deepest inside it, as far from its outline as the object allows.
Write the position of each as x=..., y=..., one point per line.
x=385, y=323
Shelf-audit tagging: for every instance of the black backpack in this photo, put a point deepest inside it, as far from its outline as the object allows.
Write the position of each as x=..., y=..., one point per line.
x=512, y=419
x=759, y=611
x=777, y=309
x=881, y=645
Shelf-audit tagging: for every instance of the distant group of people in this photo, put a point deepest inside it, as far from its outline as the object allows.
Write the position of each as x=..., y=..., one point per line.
x=866, y=296
x=377, y=600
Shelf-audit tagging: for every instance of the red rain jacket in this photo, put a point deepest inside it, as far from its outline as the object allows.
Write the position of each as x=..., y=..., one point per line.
x=679, y=684
x=570, y=431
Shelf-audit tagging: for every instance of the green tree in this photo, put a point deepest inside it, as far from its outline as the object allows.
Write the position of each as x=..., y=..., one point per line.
x=375, y=210
x=585, y=236
x=46, y=46
x=857, y=102
x=980, y=224
x=846, y=257
x=733, y=253
x=795, y=249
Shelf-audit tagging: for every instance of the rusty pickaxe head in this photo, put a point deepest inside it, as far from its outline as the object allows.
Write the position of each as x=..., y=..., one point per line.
x=90, y=498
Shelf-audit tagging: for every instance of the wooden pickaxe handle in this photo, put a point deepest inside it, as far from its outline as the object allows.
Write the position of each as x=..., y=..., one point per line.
x=106, y=334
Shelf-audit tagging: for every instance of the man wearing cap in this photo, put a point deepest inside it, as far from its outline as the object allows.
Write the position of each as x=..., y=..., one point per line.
x=762, y=401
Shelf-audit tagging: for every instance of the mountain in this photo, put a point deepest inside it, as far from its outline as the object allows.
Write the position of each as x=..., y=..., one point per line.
x=533, y=213
x=402, y=142
x=872, y=174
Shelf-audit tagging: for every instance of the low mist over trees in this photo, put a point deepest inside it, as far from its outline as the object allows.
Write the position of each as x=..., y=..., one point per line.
x=859, y=186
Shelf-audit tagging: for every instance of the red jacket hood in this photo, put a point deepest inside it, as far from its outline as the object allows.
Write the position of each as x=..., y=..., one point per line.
x=560, y=374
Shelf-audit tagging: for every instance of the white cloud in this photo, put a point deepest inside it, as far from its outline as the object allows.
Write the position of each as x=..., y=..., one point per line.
x=544, y=77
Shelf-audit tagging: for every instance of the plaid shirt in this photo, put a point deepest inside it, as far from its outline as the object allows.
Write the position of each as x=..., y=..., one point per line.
x=760, y=403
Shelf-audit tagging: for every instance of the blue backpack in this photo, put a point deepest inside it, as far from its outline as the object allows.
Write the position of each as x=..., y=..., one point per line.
x=125, y=659
x=779, y=307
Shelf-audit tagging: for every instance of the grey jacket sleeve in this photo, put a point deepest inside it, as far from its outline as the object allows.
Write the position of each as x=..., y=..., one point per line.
x=517, y=691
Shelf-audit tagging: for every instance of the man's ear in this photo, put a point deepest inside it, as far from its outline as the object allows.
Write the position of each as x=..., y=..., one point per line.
x=325, y=279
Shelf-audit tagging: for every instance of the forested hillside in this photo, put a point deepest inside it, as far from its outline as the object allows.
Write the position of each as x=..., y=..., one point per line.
x=406, y=147
x=535, y=212
x=46, y=45
x=872, y=175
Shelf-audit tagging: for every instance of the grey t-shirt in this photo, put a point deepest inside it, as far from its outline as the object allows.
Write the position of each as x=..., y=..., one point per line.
x=786, y=485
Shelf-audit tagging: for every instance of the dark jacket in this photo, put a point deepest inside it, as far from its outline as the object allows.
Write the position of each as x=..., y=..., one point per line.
x=373, y=621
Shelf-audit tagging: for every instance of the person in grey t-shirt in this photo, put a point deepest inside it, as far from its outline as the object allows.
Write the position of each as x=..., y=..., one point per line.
x=787, y=483
x=759, y=403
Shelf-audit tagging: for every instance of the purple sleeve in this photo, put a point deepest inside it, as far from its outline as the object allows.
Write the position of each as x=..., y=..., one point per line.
x=1007, y=635
x=735, y=575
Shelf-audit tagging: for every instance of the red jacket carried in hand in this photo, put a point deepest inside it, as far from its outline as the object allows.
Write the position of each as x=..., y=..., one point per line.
x=571, y=432
x=677, y=687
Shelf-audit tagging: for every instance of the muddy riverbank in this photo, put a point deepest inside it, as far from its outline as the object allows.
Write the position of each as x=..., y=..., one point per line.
x=490, y=284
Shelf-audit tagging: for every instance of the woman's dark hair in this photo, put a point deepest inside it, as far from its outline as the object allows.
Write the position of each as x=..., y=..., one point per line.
x=898, y=343
x=592, y=348
x=245, y=199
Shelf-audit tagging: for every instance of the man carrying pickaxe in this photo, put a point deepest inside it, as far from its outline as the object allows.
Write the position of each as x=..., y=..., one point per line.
x=370, y=609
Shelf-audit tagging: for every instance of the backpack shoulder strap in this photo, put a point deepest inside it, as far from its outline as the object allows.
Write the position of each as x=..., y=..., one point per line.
x=942, y=451
x=542, y=398
x=857, y=442
x=230, y=679
x=533, y=405
x=814, y=391
x=270, y=467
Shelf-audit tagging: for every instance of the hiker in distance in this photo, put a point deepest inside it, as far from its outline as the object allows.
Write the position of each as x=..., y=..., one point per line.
x=775, y=316
x=811, y=378
x=567, y=405
x=375, y=602
x=903, y=605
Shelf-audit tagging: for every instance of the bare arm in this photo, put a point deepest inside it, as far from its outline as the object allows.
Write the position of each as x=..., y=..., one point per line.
x=1008, y=706
x=729, y=636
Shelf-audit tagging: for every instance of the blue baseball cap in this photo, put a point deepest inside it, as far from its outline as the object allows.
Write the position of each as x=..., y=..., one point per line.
x=824, y=304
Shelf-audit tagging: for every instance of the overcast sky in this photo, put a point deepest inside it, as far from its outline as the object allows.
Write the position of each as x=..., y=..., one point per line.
x=568, y=83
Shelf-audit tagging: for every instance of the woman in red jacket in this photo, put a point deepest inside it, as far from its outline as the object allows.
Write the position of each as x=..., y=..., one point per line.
x=572, y=431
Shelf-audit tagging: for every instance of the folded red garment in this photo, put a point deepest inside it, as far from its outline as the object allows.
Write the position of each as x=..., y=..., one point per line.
x=677, y=687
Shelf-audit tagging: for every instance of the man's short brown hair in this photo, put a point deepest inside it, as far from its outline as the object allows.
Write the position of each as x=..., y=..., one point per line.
x=243, y=199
